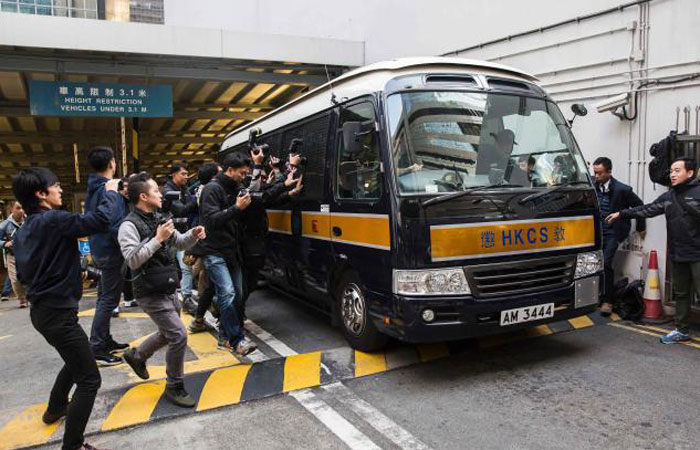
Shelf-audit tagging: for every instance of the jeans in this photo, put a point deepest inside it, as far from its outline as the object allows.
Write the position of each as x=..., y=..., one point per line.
x=227, y=279
x=186, y=281
x=61, y=330
x=164, y=311
x=109, y=291
x=686, y=282
x=609, y=249
x=6, y=287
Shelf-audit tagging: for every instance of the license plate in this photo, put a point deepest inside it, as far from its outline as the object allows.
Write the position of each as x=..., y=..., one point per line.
x=527, y=314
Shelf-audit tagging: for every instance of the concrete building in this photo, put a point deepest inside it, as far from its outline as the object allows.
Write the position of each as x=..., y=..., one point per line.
x=582, y=52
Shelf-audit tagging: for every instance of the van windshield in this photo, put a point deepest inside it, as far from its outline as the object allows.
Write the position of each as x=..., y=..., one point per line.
x=447, y=141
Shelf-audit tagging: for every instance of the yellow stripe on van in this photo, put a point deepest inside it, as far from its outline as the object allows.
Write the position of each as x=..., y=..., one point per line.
x=316, y=225
x=369, y=230
x=454, y=242
x=280, y=221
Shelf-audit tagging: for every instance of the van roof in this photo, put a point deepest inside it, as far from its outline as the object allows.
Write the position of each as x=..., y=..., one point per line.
x=365, y=80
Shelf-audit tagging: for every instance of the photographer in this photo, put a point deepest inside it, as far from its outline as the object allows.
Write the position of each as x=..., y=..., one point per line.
x=8, y=228
x=181, y=207
x=220, y=211
x=254, y=219
x=48, y=263
x=145, y=241
x=106, y=257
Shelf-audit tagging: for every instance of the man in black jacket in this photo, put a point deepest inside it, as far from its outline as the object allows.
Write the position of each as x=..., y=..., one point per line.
x=48, y=263
x=681, y=205
x=219, y=212
x=184, y=207
x=613, y=196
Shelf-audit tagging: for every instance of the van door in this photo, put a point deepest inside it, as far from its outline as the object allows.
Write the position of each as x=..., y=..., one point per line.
x=360, y=223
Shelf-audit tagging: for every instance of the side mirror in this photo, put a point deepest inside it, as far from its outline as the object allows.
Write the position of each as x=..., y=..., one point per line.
x=351, y=130
x=579, y=110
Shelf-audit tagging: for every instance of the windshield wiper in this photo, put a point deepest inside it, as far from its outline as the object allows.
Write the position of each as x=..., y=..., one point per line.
x=453, y=195
x=537, y=195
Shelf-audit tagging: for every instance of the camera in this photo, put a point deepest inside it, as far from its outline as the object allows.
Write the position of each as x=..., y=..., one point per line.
x=93, y=273
x=255, y=196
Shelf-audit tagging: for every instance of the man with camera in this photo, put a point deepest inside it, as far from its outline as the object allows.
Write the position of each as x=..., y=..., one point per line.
x=8, y=228
x=254, y=219
x=48, y=263
x=222, y=203
x=145, y=239
x=106, y=256
x=181, y=207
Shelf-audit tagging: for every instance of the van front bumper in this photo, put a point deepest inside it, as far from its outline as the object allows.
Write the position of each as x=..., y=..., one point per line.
x=462, y=317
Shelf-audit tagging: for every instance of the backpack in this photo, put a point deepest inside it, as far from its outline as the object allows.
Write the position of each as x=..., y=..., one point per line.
x=660, y=166
x=629, y=304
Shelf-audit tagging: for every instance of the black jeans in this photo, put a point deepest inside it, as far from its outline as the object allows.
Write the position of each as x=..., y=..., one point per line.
x=204, y=302
x=108, y=296
x=686, y=283
x=61, y=330
x=610, y=245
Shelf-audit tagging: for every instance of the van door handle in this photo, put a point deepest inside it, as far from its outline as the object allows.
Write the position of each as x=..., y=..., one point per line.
x=337, y=231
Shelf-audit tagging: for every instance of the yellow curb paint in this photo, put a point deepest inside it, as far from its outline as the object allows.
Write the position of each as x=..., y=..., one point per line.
x=369, y=363
x=223, y=387
x=581, y=322
x=637, y=329
x=87, y=313
x=135, y=406
x=197, y=365
x=430, y=352
x=539, y=330
x=302, y=371
x=26, y=429
x=614, y=317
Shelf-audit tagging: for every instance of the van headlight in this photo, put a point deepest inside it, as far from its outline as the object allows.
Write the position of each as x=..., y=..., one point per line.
x=588, y=263
x=431, y=282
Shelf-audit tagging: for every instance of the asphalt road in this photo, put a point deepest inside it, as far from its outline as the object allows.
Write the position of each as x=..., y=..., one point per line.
x=598, y=387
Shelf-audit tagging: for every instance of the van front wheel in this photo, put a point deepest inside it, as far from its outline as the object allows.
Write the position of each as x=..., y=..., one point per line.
x=358, y=328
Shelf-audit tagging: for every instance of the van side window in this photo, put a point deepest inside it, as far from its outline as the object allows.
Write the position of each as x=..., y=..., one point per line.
x=314, y=136
x=358, y=173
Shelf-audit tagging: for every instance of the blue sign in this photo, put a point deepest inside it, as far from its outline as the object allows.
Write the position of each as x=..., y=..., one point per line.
x=84, y=247
x=58, y=98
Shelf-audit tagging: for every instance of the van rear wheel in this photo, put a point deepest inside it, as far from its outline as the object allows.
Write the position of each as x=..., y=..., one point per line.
x=358, y=328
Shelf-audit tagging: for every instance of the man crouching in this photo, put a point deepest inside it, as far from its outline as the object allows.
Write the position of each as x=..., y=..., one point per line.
x=146, y=245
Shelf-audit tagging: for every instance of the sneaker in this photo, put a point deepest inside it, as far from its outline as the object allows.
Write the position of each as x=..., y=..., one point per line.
x=198, y=326
x=674, y=337
x=105, y=359
x=114, y=346
x=606, y=309
x=23, y=305
x=139, y=367
x=87, y=446
x=4, y=299
x=189, y=305
x=51, y=418
x=179, y=396
x=130, y=303
x=244, y=348
x=115, y=313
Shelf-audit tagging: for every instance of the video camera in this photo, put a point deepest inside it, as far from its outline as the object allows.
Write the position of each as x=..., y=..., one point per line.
x=295, y=149
x=93, y=273
x=161, y=218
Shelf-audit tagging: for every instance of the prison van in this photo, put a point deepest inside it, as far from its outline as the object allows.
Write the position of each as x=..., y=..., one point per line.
x=443, y=198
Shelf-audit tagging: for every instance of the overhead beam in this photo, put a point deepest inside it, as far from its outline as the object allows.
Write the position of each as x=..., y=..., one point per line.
x=23, y=111
x=64, y=65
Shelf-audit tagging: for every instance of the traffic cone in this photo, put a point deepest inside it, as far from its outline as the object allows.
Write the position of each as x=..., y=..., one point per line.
x=652, y=290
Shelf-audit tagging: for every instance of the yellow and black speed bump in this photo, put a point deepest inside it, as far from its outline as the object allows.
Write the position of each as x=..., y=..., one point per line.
x=145, y=402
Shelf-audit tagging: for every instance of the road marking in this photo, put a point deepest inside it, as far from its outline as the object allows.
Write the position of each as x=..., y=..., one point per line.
x=136, y=406
x=5, y=337
x=346, y=431
x=369, y=363
x=274, y=343
x=27, y=429
x=122, y=315
x=378, y=420
x=662, y=330
x=302, y=371
x=223, y=387
x=651, y=333
x=581, y=322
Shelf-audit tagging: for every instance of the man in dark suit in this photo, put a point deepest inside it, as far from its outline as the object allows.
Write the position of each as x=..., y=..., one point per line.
x=613, y=196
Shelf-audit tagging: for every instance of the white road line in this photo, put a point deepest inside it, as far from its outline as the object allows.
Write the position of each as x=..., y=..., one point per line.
x=5, y=337
x=375, y=418
x=346, y=431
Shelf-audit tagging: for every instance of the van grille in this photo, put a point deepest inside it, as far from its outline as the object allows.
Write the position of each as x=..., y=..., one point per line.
x=520, y=277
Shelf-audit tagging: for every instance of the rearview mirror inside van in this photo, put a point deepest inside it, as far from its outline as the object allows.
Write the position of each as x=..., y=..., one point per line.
x=351, y=130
